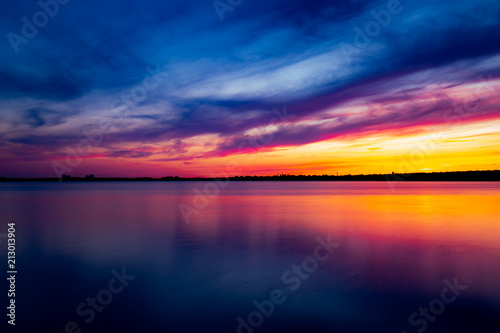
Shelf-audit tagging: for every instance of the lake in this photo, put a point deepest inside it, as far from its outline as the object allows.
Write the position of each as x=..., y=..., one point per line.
x=255, y=256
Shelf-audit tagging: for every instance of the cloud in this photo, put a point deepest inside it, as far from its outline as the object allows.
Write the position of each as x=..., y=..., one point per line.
x=225, y=78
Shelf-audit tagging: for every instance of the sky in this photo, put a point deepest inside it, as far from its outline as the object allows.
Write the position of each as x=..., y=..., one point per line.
x=239, y=87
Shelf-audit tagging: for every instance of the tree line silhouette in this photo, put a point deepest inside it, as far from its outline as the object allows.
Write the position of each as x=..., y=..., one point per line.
x=483, y=175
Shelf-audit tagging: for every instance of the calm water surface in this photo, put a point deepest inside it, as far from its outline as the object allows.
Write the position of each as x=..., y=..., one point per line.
x=395, y=250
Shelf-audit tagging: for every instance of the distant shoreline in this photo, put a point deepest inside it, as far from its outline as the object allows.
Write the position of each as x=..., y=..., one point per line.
x=489, y=175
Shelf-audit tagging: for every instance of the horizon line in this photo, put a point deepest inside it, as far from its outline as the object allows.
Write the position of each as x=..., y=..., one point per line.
x=278, y=176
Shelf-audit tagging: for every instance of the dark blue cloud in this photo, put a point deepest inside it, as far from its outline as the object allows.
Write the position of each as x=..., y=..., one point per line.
x=226, y=77
x=96, y=45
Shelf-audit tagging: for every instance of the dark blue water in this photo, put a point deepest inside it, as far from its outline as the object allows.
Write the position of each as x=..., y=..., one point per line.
x=254, y=257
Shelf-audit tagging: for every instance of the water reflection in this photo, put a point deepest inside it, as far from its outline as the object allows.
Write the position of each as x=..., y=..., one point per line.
x=396, y=250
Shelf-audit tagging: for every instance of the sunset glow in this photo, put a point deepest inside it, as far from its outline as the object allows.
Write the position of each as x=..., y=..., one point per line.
x=227, y=100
